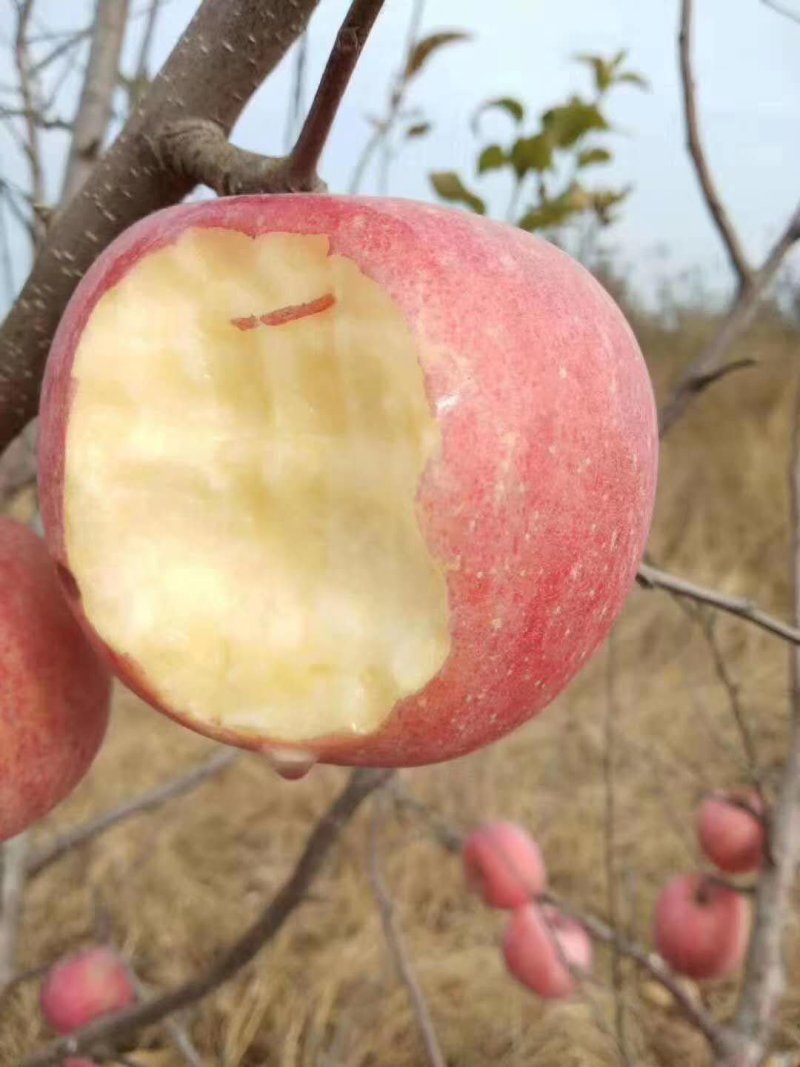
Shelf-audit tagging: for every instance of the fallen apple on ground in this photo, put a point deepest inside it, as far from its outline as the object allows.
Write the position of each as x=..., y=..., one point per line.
x=85, y=986
x=363, y=481
x=701, y=927
x=54, y=689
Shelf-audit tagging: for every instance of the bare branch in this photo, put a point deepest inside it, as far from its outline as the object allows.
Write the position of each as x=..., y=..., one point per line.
x=783, y=9
x=30, y=107
x=651, y=578
x=291, y=895
x=612, y=880
x=384, y=128
x=94, y=107
x=399, y=952
x=297, y=100
x=200, y=79
x=765, y=972
x=178, y=1035
x=349, y=44
x=13, y=855
x=141, y=74
x=709, y=365
x=736, y=255
x=88, y=831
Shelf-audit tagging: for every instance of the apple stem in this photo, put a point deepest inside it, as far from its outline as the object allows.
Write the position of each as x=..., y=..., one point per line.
x=350, y=40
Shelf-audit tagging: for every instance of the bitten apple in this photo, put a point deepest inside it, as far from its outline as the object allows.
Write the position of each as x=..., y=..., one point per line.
x=504, y=864
x=730, y=829
x=701, y=927
x=362, y=480
x=54, y=689
x=84, y=987
x=546, y=950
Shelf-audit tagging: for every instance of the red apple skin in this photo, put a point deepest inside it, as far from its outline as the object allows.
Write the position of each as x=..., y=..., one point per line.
x=505, y=865
x=731, y=837
x=539, y=503
x=538, y=943
x=701, y=928
x=85, y=986
x=72, y=1062
x=54, y=690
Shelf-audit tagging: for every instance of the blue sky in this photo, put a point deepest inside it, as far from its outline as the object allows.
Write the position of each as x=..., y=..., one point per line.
x=748, y=69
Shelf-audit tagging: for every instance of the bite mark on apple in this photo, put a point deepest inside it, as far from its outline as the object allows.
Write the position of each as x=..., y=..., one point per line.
x=290, y=313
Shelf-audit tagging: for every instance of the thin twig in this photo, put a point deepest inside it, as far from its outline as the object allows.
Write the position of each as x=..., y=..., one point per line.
x=141, y=74
x=399, y=951
x=384, y=127
x=12, y=892
x=652, y=578
x=612, y=881
x=782, y=9
x=154, y=798
x=178, y=1033
x=709, y=365
x=733, y=247
x=347, y=48
x=113, y=1029
x=297, y=97
x=765, y=971
x=94, y=107
x=30, y=107
x=738, y=713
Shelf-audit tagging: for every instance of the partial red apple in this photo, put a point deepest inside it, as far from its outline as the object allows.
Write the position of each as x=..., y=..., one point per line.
x=72, y=1062
x=54, y=689
x=358, y=480
x=84, y=987
x=546, y=950
x=730, y=829
x=504, y=864
x=701, y=927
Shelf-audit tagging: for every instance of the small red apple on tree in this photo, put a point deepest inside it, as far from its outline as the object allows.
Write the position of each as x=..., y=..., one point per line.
x=365, y=480
x=731, y=832
x=55, y=690
x=504, y=864
x=701, y=927
x=85, y=986
x=545, y=950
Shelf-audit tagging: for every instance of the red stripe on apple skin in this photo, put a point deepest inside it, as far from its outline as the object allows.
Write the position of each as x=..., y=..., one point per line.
x=291, y=313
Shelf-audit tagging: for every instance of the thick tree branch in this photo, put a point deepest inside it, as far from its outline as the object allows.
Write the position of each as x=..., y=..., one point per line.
x=783, y=9
x=709, y=365
x=349, y=44
x=154, y=798
x=651, y=578
x=111, y=1030
x=228, y=49
x=736, y=255
x=765, y=972
x=94, y=107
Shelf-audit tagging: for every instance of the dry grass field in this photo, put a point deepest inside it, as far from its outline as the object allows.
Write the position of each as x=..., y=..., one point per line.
x=174, y=886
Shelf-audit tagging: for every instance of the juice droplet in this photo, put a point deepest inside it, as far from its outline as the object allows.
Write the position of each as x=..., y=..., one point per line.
x=291, y=763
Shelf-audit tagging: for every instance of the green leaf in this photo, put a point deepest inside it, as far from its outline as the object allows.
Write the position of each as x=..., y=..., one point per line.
x=449, y=187
x=603, y=202
x=632, y=78
x=568, y=123
x=592, y=156
x=551, y=213
x=425, y=48
x=491, y=158
x=532, y=153
x=602, y=69
x=512, y=107
x=419, y=129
